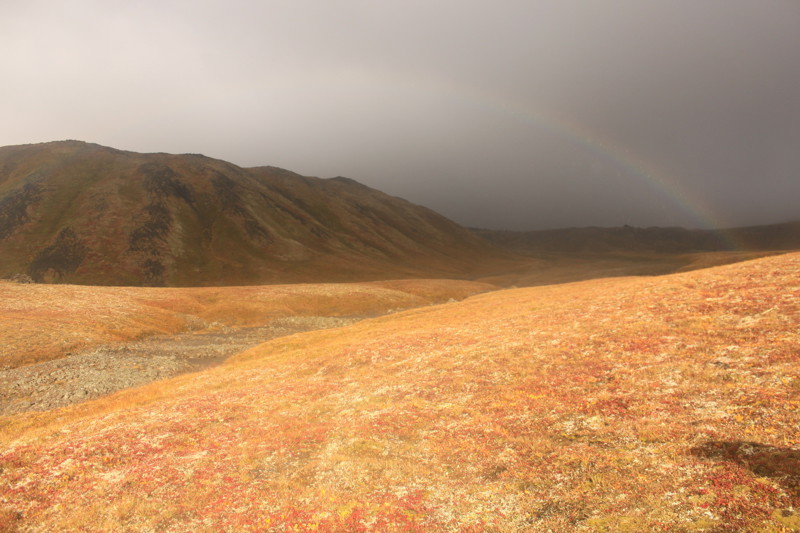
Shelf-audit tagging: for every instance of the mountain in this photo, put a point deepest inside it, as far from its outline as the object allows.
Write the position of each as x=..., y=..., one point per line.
x=81, y=213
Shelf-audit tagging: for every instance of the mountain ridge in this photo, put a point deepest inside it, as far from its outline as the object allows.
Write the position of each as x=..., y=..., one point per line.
x=83, y=213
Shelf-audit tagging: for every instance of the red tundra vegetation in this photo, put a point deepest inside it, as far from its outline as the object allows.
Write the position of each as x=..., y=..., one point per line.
x=628, y=404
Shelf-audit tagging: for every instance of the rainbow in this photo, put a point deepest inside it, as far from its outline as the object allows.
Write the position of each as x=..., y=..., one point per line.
x=583, y=137
x=656, y=178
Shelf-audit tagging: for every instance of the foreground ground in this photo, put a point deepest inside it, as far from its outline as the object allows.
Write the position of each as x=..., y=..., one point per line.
x=627, y=404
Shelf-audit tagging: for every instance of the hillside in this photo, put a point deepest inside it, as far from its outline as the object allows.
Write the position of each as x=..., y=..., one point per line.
x=74, y=212
x=44, y=322
x=64, y=344
x=624, y=404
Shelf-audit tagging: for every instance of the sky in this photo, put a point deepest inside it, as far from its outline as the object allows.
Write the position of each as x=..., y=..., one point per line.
x=508, y=114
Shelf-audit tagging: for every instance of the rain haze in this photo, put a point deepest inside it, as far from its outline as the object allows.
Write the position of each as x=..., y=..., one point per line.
x=506, y=115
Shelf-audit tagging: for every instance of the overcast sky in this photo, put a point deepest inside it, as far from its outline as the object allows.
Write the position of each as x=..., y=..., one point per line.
x=506, y=114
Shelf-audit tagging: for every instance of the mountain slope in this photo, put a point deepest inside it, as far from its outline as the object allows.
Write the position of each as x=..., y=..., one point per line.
x=82, y=213
x=626, y=404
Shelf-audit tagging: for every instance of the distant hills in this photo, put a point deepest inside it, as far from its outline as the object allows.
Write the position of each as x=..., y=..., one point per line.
x=81, y=213
x=674, y=240
x=575, y=254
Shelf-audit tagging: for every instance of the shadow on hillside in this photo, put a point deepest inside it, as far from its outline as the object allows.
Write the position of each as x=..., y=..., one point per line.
x=780, y=464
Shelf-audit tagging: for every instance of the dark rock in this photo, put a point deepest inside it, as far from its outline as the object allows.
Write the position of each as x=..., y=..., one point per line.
x=64, y=256
x=14, y=208
x=20, y=278
x=161, y=182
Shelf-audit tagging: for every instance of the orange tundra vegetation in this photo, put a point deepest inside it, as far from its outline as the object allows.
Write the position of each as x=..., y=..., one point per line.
x=41, y=322
x=626, y=404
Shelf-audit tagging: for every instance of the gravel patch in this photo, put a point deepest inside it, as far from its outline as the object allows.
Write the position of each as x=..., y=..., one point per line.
x=100, y=371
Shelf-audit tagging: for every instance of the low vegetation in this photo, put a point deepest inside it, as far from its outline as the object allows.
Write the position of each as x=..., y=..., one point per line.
x=41, y=322
x=625, y=404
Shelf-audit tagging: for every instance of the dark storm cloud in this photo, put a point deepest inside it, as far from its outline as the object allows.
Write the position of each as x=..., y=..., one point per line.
x=504, y=114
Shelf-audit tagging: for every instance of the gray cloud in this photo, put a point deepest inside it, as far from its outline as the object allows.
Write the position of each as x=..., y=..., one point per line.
x=512, y=114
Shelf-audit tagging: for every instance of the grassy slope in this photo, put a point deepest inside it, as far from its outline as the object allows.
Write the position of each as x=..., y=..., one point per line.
x=40, y=322
x=626, y=404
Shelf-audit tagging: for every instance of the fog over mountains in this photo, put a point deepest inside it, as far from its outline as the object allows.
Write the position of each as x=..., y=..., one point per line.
x=513, y=115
